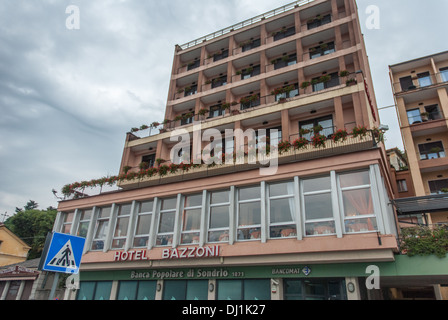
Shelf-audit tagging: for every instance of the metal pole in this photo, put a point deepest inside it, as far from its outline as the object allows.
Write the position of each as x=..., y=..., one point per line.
x=53, y=287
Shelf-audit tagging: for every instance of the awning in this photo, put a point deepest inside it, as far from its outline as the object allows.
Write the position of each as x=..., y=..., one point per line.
x=425, y=204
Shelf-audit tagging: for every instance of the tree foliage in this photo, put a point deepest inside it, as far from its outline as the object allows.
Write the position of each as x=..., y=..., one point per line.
x=32, y=226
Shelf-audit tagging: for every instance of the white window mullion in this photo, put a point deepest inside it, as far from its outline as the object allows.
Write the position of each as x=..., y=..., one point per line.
x=110, y=227
x=298, y=202
x=131, y=226
x=335, y=203
x=177, y=222
x=154, y=223
x=204, y=221
x=232, y=214
x=263, y=218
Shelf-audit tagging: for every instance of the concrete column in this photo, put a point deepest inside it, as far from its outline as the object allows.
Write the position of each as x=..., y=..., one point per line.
x=339, y=113
x=211, y=293
x=285, y=125
x=352, y=287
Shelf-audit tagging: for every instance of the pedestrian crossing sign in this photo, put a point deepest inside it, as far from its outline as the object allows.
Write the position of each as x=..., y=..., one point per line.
x=62, y=253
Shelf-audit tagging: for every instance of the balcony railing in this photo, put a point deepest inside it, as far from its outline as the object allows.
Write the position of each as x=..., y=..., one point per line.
x=430, y=81
x=246, y=23
x=294, y=150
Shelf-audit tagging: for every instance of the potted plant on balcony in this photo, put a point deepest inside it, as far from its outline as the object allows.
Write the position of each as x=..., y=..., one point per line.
x=143, y=165
x=283, y=146
x=202, y=112
x=425, y=116
x=340, y=135
x=344, y=73
x=318, y=140
x=350, y=82
x=305, y=84
x=300, y=143
x=360, y=131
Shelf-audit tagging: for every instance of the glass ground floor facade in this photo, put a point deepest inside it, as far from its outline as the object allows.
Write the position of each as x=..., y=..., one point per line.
x=338, y=281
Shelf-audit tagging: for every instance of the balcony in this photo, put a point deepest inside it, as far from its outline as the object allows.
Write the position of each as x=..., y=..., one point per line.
x=425, y=80
x=290, y=151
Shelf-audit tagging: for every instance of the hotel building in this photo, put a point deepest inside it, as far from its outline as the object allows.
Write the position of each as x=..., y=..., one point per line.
x=314, y=229
x=420, y=91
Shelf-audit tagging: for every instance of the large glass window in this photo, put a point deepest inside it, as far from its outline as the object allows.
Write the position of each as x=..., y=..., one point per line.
x=91, y=290
x=137, y=290
x=143, y=225
x=309, y=128
x=438, y=186
x=325, y=82
x=185, y=290
x=218, y=227
x=67, y=220
x=424, y=79
x=121, y=226
x=250, y=289
x=249, y=213
x=314, y=289
x=84, y=221
x=101, y=228
x=166, y=222
x=318, y=21
x=432, y=150
x=359, y=214
x=317, y=206
x=322, y=50
x=191, y=219
x=282, y=220
x=414, y=116
x=444, y=74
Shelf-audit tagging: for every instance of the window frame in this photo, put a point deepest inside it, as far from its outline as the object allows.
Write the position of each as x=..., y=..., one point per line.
x=139, y=214
x=209, y=217
x=258, y=226
x=169, y=233
x=120, y=218
x=346, y=220
x=192, y=232
x=290, y=197
x=100, y=220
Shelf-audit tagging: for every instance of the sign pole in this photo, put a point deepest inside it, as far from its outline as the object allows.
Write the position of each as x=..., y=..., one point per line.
x=53, y=287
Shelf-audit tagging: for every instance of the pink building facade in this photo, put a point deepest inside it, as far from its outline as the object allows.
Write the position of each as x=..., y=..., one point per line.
x=224, y=216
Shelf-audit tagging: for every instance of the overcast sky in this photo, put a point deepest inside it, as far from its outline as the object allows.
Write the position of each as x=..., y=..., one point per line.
x=68, y=97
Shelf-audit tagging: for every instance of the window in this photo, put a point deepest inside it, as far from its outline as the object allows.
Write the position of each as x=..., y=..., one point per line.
x=191, y=90
x=250, y=101
x=218, y=221
x=143, y=225
x=224, y=53
x=433, y=112
x=191, y=219
x=282, y=220
x=322, y=50
x=121, y=226
x=250, y=289
x=67, y=222
x=91, y=290
x=186, y=120
x=251, y=44
x=444, y=74
x=249, y=213
x=166, y=222
x=101, y=228
x=137, y=290
x=84, y=221
x=414, y=116
x=319, y=21
x=431, y=150
x=325, y=123
x=438, y=186
x=317, y=206
x=294, y=92
x=357, y=203
x=325, y=82
x=150, y=159
x=216, y=111
x=250, y=72
x=424, y=79
x=402, y=186
x=193, y=65
x=220, y=81
x=272, y=138
x=314, y=289
x=286, y=60
x=284, y=33
x=185, y=290
x=406, y=83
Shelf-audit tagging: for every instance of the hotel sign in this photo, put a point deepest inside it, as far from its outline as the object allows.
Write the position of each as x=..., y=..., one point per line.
x=191, y=252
